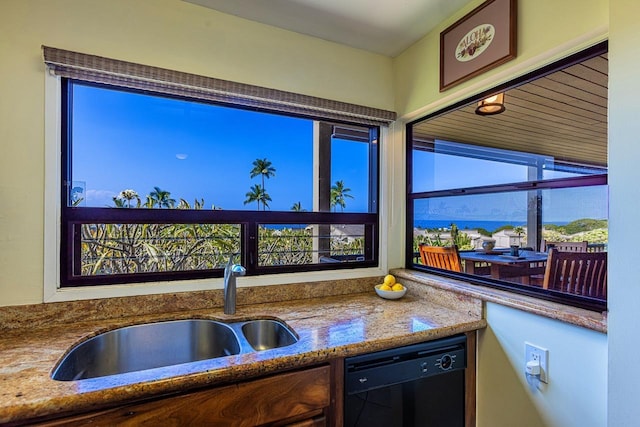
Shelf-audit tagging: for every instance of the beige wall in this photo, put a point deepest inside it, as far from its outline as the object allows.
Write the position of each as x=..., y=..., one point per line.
x=548, y=27
x=165, y=33
x=547, y=30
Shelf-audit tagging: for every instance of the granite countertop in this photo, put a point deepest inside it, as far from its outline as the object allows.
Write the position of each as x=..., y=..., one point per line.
x=593, y=320
x=328, y=327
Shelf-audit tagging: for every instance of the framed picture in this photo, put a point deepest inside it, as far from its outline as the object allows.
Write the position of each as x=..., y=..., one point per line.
x=479, y=41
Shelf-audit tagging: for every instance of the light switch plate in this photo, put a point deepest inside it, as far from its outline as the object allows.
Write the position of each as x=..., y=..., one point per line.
x=534, y=352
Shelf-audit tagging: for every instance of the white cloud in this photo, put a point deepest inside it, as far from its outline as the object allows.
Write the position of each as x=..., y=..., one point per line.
x=100, y=198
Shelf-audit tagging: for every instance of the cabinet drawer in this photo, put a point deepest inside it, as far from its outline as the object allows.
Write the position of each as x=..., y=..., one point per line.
x=251, y=403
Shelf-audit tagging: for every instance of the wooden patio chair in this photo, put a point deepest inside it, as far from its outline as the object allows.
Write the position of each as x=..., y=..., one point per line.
x=538, y=279
x=566, y=246
x=446, y=258
x=580, y=273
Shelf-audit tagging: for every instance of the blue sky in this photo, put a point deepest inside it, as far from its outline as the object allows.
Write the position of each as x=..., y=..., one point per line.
x=131, y=141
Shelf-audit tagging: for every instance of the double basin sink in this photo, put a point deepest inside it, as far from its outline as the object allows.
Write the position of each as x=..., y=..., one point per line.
x=158, y=344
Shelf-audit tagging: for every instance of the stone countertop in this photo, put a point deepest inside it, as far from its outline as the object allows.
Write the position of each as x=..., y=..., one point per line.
x=593, y=320
x=328, y=327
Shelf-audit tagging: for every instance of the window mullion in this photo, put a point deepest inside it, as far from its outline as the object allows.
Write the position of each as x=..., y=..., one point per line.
x=582, y=181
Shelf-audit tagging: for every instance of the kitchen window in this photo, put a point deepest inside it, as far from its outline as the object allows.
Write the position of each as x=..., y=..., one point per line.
x=160, y=185
x=507, y=189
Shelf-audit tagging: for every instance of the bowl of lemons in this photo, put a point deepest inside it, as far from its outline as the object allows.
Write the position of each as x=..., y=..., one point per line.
x=390, y=289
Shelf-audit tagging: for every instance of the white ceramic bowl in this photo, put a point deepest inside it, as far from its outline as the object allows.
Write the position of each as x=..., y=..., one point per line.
x=390, y=294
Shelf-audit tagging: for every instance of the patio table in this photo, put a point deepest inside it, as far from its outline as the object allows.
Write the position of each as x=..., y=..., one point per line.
x=501, y=265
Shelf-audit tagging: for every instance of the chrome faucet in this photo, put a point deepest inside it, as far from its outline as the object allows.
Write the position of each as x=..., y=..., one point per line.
x=231, y=271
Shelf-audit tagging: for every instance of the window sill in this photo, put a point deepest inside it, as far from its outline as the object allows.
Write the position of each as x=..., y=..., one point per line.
x=564, y=313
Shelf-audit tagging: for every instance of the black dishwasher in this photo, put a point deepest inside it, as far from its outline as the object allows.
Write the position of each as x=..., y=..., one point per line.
x=419, y=385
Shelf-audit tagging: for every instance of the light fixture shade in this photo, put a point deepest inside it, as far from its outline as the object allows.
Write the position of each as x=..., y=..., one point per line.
x=491, y=105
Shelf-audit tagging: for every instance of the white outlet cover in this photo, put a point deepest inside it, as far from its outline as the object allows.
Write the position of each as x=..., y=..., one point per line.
x=533, y=352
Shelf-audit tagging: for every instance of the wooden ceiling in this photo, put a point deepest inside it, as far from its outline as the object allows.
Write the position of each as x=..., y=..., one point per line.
x=563, y=115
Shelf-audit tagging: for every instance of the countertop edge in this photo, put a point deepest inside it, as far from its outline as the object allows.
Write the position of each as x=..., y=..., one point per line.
x=576, y=316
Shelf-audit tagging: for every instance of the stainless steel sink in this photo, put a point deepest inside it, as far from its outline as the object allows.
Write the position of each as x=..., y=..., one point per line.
x=151, y=345
x=267, y=334
x=158, y=344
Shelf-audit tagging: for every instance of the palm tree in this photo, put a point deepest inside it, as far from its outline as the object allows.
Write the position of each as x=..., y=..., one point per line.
x=183, y=204
x=338, y=194
x=162, y=198
x=297, y=207
x=149, y=203
x=263, y=168
x=258, y=194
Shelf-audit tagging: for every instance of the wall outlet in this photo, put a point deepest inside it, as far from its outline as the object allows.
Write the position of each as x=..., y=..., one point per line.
x=534, y=352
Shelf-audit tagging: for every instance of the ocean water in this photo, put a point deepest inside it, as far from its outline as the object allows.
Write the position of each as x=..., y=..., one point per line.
x=435, y=224
x=470, y=225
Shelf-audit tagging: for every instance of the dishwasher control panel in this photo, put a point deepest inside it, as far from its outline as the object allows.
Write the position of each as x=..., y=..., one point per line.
x=398, y=365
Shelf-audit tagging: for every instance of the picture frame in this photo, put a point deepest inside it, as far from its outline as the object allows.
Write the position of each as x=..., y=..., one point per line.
x=479, y=41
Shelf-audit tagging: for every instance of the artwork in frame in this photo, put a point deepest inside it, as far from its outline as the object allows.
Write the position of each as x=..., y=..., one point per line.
x=482, y=39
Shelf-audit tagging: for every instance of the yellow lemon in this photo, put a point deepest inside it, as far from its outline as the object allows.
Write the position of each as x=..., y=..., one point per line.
x=389, y=280
x=385, y=287
x=397, y=287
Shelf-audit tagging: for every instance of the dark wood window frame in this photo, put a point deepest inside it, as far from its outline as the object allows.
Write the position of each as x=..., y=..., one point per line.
x=591, y=180
x=249, y=221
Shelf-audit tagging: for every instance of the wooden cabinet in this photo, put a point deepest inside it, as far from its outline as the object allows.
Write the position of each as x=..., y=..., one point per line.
x=299, y=399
